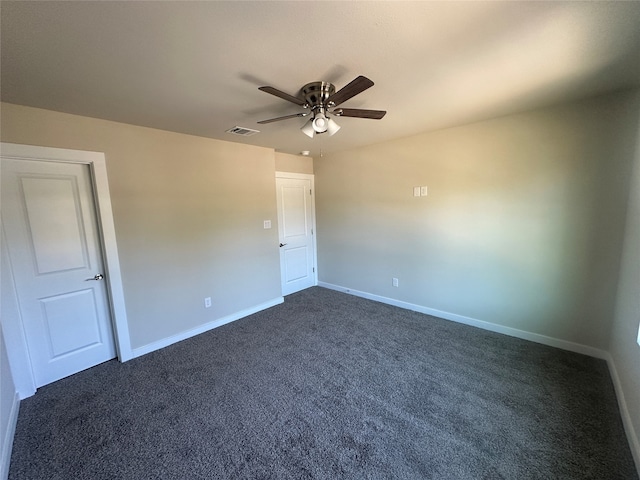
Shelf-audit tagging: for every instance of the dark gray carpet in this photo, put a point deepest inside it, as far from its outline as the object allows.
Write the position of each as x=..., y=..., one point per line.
x=329, y=385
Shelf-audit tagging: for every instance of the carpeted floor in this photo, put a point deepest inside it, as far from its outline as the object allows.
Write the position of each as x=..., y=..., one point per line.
x=328, y=386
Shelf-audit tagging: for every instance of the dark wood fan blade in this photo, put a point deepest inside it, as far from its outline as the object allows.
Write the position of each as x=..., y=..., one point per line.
x=359, y=85
x=281, y=94
x=360, y=113
x=301, y=114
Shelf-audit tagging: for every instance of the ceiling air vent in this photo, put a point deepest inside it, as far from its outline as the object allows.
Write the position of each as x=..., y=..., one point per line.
x=242, y=131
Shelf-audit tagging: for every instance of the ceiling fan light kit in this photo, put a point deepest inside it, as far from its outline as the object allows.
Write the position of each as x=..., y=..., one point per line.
x=318, y=97
x=320, y=124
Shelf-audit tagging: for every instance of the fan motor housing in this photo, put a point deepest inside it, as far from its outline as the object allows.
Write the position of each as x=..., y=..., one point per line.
x=316, y=93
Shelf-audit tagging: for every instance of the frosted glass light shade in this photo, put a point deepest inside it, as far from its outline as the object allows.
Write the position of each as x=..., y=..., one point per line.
x=332, y=127
x=320, y=123
x=307, y=129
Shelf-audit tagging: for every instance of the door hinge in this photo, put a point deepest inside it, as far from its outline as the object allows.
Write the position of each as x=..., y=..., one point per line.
x=312, y=231
x=314, y=269
x=309, y=191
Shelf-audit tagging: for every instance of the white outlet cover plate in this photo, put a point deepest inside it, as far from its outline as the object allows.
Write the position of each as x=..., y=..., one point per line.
x=267, y=224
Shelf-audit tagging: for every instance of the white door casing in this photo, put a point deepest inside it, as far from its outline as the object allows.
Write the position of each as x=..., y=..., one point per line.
x=296, y=230
x=53, y=246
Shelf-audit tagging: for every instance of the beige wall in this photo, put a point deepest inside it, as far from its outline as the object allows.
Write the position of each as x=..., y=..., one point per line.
x=286, y=162
x=188, y=213
x=624, y=347
x=522, y=226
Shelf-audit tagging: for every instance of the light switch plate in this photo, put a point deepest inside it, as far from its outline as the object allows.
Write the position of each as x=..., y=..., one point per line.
x=267, y=224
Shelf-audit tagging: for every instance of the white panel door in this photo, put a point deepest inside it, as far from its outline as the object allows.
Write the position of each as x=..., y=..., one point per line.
x=49, y=219
x=295, y=228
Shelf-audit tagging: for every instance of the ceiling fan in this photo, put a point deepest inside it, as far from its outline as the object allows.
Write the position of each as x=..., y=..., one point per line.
x=318, y=98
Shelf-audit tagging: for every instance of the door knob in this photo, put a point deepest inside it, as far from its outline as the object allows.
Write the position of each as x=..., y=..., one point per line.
x=98, y=276
x=282, y=245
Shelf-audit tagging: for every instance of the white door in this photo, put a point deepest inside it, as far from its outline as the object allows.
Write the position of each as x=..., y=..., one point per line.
x=49, y=219
x=295, y=229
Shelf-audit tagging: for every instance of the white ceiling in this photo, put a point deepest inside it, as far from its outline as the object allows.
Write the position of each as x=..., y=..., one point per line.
x=195, y=67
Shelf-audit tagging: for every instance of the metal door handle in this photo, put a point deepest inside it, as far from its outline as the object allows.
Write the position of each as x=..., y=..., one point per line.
x=282, y=245
x=98, y=276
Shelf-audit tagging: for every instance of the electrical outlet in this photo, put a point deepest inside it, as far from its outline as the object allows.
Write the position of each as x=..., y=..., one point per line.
x=394, y=282
x=267, y=224
x=423, y=191
x=416, y=191
x=207, y=302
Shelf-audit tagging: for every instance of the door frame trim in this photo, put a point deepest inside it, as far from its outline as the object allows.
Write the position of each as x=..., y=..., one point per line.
x=107, y=236
x=311, y=178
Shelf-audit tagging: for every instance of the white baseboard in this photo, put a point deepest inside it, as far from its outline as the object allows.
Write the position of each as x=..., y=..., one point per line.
x=493, y=327
x=165, y=342
x=7, y=441
x=632, y=435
